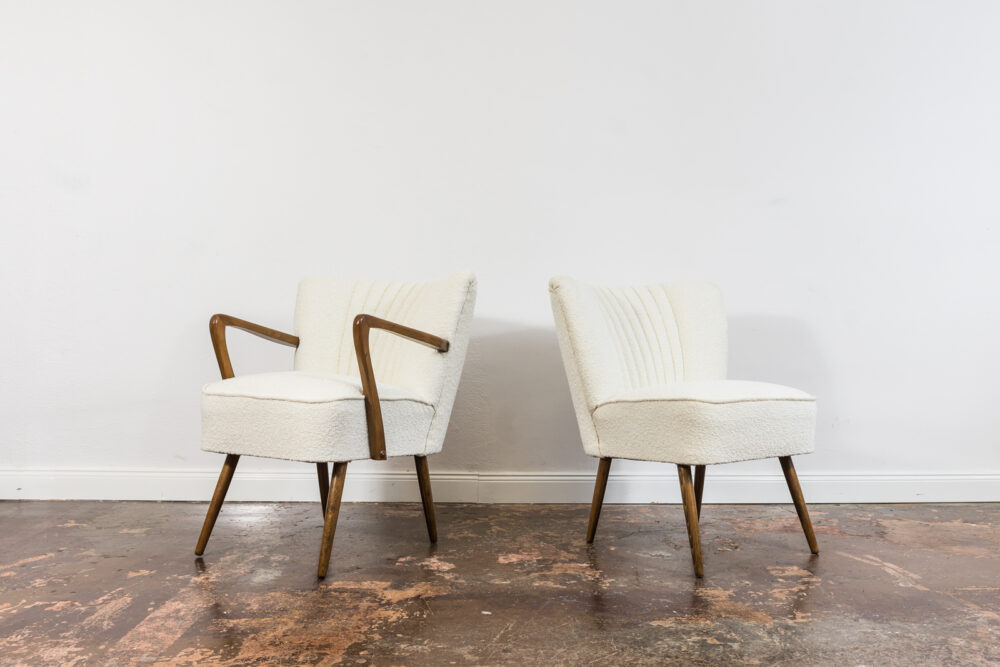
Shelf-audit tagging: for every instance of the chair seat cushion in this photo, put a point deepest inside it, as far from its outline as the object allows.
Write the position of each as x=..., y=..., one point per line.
x=307, y=416
x=699, y=423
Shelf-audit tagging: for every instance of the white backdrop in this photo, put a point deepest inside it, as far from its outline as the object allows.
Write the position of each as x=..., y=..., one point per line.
x=834, y=166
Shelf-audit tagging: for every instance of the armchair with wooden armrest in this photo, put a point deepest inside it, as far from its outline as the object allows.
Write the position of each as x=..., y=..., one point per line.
x=382, y=396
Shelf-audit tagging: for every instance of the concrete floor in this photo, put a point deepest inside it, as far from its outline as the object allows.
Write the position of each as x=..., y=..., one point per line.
x=115, y=583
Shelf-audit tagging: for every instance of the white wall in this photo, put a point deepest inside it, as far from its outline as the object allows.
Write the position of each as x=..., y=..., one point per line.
x=834, y=166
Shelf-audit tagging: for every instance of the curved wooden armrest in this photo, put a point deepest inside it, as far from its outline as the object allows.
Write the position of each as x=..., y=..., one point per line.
x=217, y=327
x=363, y=324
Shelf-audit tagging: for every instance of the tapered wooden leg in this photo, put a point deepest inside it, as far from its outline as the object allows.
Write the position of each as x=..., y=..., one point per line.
x=332, y=513
x=800, y=503
x=424, y=480
x=221, y=487
x=699, y=486
x=691, y=516
x=323, y=472
x=600, y=486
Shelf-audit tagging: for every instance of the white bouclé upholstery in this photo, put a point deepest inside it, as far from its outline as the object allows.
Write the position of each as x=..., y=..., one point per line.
x=317, y=412
x=307, y=416
x=646, y=368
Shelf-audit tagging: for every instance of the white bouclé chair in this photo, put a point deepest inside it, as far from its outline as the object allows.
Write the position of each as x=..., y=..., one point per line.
x=376, y=371
x=647, y=374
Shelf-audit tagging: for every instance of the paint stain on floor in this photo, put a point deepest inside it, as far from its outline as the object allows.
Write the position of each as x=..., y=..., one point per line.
x=115, y=583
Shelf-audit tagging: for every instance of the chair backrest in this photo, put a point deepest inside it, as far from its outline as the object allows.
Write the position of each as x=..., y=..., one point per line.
x=324, y=317
x=620, y=339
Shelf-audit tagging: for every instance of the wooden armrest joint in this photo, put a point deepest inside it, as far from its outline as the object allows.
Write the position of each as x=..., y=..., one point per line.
x=217, y=328
x=363, y=324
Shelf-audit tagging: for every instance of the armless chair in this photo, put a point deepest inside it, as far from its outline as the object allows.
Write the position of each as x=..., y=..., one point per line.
x=646, y=369
x=376, y=371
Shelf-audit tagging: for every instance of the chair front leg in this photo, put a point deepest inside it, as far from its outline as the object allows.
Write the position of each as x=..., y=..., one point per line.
x=221, y=487
x=600, y=486
x=800, y=503
x=691, y=517
x=332, y=514
x=424, y=480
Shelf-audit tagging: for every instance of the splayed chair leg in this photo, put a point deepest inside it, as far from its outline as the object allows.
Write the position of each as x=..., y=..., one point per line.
x=426, y=497
x=323, y=473
x=691, y=516
x=800, y=504
x=221, y=487
x=600, y=486
x=699, y=486
x=332, y=514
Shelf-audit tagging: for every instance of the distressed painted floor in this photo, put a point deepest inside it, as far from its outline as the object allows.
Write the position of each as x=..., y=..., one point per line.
x=116, y=583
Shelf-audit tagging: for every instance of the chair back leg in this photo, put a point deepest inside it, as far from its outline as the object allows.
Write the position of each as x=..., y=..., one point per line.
x=691, y=517
x=323, y=473
x=221, y=487
x=699, y=486
x=800, y=504
x=426, y=497
x=332, y=514
x=600, y=486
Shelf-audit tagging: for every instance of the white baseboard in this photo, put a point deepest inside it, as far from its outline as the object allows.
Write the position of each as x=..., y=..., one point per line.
x=154, y=484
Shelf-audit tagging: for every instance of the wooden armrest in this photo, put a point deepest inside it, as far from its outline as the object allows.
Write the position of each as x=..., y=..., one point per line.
x=217, y=327
x=363, y=324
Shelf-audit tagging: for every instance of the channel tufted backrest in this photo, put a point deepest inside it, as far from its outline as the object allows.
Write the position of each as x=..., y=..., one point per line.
x=324, y=316
x=619, y=339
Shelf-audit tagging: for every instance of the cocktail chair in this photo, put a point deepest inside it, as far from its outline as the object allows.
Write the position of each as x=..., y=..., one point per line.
x=360, y=388
x=646, y=369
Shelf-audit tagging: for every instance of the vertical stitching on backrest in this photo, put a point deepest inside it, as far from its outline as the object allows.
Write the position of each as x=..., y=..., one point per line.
x=376, y=307
x=392, y=355
x=635, y=345
x=352, y=286
x=632, y=317
x=378, y=354
x=405, y=315
x=655, y=364
x=660, y=334
x=351, y=314
x=628, y=340
x=674, y=335
x=623, y=350
x=667, y=320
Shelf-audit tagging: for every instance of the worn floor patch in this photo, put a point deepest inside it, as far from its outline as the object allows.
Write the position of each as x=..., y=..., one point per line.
x=115, y=583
